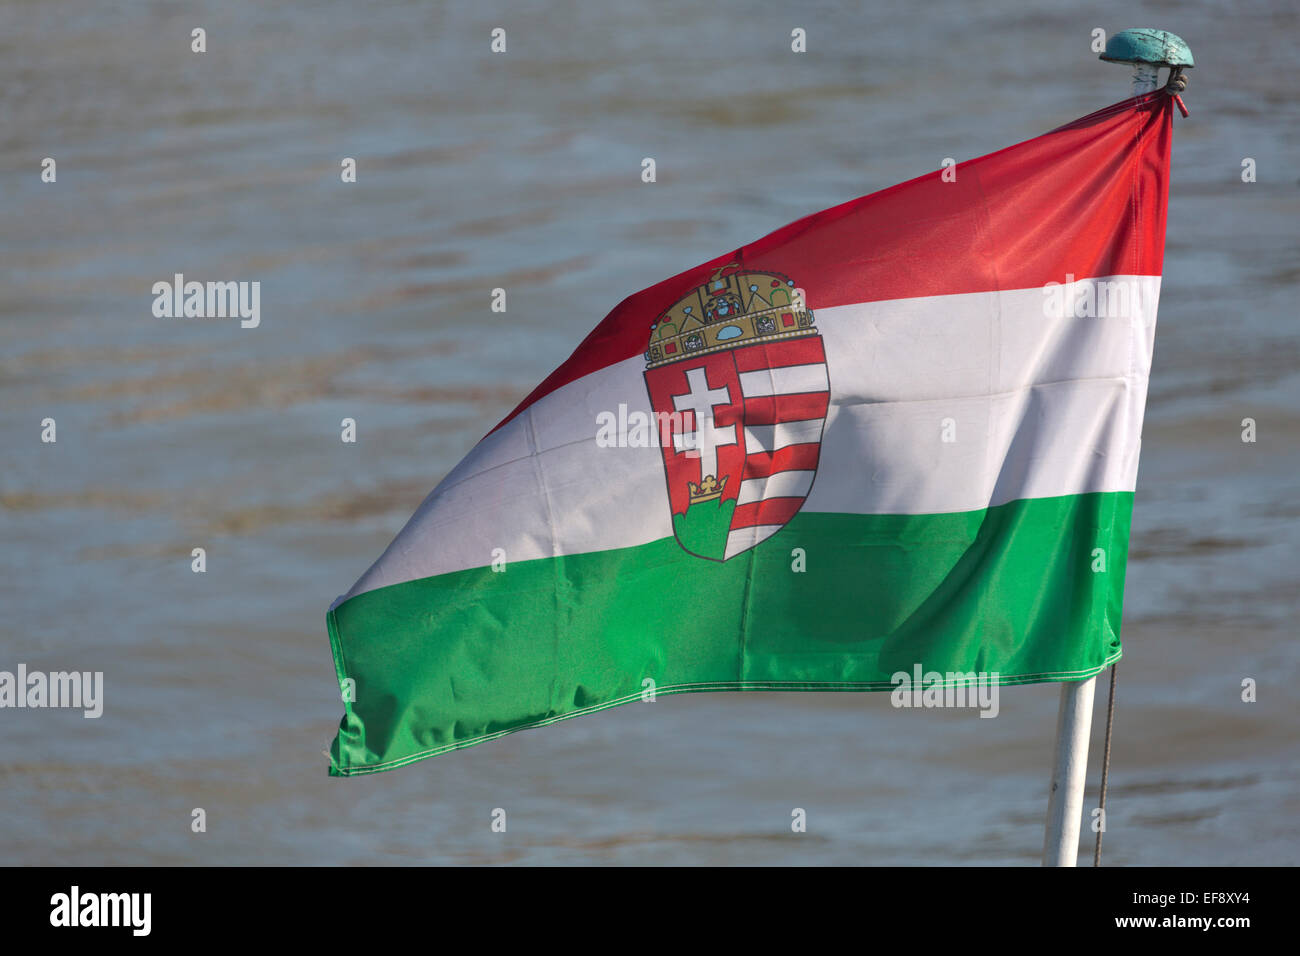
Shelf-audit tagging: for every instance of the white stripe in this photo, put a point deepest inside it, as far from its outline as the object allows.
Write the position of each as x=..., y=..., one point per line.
x=782, y=484
x=785, y=380
x=771, y=437
x=742, y=539
x=1040, y=407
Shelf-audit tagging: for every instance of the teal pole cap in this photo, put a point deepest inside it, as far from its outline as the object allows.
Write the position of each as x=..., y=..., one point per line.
x=1147, y=45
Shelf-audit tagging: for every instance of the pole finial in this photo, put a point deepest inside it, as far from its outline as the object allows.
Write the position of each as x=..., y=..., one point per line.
x=1148, y=49
x=1148, y=45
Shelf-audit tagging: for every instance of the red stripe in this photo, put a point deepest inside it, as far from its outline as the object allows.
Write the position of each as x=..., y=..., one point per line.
x=789, y=458
x=1088, y=198
x=805, y=351
x=796, y=407
x=771, y=511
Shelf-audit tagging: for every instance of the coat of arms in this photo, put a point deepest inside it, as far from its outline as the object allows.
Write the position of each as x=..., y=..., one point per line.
x=737, y=378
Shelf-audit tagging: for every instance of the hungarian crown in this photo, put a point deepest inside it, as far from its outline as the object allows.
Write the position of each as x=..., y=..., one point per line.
x=735, y=307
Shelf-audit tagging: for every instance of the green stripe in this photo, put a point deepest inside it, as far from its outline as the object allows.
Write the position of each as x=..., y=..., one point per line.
x=451, y=661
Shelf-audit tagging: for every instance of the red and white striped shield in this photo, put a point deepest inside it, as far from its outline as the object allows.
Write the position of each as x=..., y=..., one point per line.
x=740, y=430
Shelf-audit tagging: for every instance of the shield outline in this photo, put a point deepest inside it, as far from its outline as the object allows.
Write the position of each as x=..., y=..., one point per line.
x=684, y=364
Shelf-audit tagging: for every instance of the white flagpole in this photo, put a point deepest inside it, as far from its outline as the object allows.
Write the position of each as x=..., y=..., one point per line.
x=1147, y=50
x=1069, y=773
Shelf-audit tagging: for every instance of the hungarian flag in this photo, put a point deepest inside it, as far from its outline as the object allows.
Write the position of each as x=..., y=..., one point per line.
x=900, y=432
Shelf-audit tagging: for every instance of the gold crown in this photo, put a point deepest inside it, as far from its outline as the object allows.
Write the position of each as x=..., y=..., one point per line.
x=734, y=307
x=709, y=489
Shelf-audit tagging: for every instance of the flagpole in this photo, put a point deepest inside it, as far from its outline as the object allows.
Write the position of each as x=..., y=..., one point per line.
x=1147, y=50
x=1069, y=773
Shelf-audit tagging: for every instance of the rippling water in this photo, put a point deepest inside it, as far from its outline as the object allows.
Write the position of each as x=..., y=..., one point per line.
x=522, y=171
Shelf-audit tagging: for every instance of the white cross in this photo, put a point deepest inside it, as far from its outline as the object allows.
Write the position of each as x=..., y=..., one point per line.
x=705, y=440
